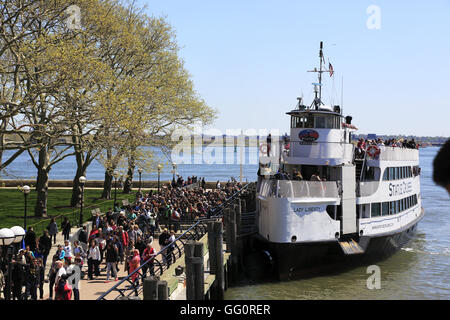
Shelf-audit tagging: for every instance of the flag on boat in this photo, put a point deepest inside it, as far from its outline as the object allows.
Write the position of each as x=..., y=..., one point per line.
x=330, y=67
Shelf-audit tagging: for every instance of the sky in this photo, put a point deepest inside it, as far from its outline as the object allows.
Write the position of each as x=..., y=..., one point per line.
x=249, y=60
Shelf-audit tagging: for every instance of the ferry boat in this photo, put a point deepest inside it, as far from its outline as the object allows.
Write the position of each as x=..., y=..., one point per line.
x=321, y=205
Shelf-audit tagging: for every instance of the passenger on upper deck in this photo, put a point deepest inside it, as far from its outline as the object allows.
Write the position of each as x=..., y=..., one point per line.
x=315, y=176
x=297, y=175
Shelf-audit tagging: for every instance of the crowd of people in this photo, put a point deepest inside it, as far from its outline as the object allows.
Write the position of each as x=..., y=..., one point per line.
x=364, y=144
x=121, y=238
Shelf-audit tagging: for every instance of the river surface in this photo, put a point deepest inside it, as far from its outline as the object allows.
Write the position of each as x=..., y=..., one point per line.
x=212, y=163
x=418, y=271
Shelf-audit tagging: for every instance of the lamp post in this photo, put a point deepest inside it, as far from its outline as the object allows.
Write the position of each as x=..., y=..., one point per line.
x=7, y=238
x=82, y=181
x=174, y=167
x=140, y=181
x=115, y=174
x=26, y=191
x=159, y=173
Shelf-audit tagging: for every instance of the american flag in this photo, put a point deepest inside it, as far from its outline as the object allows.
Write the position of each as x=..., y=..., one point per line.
x=330, y=67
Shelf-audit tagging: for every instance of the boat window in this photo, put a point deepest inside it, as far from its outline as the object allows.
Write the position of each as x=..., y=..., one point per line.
x=330, y=122
x=405, y=205
x=320, y=122
x=397, y=173
x=401, y=204
x=309, y=122
x=386, y=174
x=397, y=206
x=391, y=207
x=391, y=174
x=385, y=208
x=376, y=209
x=338, y=122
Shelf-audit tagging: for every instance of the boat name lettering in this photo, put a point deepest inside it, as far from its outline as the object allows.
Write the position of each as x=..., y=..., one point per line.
x=307, y=209
x=387, y=225
x=399, y=189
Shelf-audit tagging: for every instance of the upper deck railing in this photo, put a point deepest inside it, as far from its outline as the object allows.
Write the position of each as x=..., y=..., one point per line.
x=398, y=154
x=298, y=189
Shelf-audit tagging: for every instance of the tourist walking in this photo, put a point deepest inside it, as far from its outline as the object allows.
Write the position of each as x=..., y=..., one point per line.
x=52, y=229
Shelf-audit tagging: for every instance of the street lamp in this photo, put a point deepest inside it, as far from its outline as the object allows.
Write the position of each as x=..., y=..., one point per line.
x=115, y=174
x=174, y=166
x=8, y=237
x=140, y=174
x=159, y=172
x=82, y=181
x=26, y=191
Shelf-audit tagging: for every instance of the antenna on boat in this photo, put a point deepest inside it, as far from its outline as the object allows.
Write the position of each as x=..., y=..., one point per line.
x=318, y=86
x=342, y=96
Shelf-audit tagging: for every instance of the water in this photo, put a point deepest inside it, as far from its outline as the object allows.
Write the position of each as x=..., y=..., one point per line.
x=221, y=165
x=418, y=271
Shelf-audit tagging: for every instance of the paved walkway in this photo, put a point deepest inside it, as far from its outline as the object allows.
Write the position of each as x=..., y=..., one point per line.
x=89, y=289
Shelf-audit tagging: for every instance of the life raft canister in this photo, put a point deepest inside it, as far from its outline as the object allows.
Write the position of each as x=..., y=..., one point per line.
x=373, y=151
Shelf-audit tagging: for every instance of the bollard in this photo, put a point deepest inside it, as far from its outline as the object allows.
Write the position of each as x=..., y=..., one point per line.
x=243, y=206
x=163, y=290
x=195, y=272
x=220, y=271
x=150, y=288
x=212, y=248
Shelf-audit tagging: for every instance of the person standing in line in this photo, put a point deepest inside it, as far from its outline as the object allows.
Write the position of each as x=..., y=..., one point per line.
x=52, y=276
x=148, y=254
x=93, y=260
x=75, y=271
x=52, y=230
x=45, y=244
x=83, y=236
x=30, y=239
x=112, y=257
x=171, y=247
x=66, y=227
x=40, y=274
x=134, y=263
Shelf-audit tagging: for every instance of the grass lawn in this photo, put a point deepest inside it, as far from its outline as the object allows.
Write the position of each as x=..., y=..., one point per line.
x=12, y=207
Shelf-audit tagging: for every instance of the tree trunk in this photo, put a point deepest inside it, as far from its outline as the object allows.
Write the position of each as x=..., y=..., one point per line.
x=107, y=184
x=40, y=209
x=128, y=184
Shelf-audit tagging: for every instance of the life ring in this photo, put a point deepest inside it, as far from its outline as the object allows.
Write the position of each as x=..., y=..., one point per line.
x=263, y=148
x=373, y=151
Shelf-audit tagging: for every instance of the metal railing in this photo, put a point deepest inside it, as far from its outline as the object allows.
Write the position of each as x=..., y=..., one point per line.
x=299, y=189
x=167, y=255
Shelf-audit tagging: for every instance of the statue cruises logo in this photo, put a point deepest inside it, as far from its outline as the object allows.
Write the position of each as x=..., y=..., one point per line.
x=308, y=136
